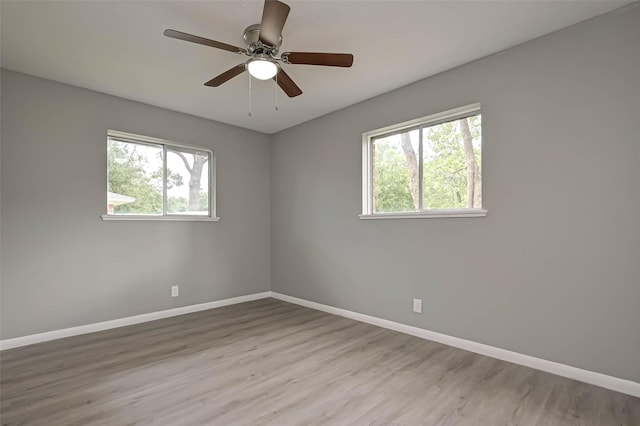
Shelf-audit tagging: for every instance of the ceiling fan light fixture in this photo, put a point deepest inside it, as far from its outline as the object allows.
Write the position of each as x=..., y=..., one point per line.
x=262, y=68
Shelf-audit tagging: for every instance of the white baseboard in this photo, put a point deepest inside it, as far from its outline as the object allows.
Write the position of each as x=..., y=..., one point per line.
x=609, y=382
x=122, y=322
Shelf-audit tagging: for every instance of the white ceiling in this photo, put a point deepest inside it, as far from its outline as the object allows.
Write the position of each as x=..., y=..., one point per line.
x=117, y=47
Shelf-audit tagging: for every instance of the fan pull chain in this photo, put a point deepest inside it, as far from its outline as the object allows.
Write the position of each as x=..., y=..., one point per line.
x=277, y=90
x=249, y=94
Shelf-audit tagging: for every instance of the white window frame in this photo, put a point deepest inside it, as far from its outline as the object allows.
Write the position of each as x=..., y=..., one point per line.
x=133, y=138
x=418, y=123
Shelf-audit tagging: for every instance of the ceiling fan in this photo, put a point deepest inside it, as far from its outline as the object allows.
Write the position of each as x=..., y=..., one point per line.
x=263, y=41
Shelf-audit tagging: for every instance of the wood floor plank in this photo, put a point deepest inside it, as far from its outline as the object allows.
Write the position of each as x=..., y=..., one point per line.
x=268, y=362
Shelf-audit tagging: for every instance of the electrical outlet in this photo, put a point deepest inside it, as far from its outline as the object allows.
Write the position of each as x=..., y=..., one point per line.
x=175, y=291
x=417, y=306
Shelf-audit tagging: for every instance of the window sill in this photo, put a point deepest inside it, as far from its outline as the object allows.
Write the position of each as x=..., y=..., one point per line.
x=434, y=214
x=161, y=218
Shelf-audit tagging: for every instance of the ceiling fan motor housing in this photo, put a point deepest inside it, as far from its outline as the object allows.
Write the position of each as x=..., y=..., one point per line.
x=254, y=45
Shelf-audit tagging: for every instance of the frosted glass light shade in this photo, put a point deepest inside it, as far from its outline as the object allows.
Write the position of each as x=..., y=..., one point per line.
x=262, y=69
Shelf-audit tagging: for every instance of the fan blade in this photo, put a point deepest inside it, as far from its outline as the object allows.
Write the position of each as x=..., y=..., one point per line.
x=274, y=15
x=327, y=59
x=226, y=76
x=286, y=84
x=200, y=40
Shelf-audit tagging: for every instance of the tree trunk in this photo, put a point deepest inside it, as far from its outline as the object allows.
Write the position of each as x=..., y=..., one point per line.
x=195, y=171
x=477, y=190
x=414, y=174
x=194, y=182
x=472, y=166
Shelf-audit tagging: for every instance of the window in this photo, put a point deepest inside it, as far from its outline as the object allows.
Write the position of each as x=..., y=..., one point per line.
x=149, y=178
x=429, y=167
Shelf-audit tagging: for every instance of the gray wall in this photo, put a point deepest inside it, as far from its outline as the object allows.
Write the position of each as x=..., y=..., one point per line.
x=554, y=270
x=62, y=266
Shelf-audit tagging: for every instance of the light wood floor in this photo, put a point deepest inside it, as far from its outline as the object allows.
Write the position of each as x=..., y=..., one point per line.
x=270, y=362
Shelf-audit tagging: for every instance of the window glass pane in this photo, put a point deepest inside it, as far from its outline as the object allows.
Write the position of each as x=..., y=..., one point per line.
x=134, y=182
x=452, y=169
x=187, y=182
x=396, y=173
